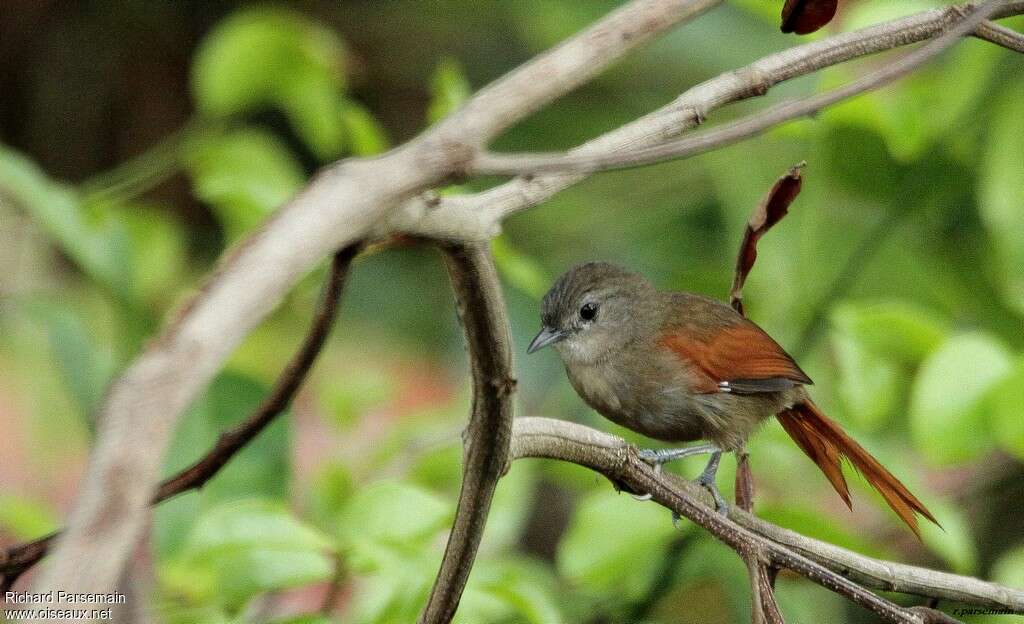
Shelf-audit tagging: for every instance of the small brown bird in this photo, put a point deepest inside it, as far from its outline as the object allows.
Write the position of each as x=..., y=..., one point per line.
x=680, y=367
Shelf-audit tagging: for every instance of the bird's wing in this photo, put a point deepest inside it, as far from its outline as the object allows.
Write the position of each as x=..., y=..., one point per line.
x=731, y=352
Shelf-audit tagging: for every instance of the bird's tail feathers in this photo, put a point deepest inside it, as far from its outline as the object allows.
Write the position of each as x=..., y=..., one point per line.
x=827, y=444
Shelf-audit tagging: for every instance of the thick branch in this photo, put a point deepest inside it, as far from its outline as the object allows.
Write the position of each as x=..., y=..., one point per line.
x=757, y=123
x=487, y=437
x=614, y=458
x=16, y=560
x=345, y=203
x=478, y=216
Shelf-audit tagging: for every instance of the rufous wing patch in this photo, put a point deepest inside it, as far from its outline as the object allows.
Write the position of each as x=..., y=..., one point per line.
x=737, y=352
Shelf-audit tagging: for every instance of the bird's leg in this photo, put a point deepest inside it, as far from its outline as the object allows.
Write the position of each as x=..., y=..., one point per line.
x=660, y=457
x=707, y=479
x=657, y=457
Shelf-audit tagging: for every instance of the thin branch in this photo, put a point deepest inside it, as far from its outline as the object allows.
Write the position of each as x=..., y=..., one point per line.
x=1001, y=35
x=348, y=201
x=478, y=216
x=752, y=125
x=487, y=438
x=543, y=437
x=831, y=566
x=535, y=437
x=17, y=559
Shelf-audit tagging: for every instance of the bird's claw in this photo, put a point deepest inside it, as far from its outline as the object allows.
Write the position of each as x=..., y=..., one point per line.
x=646, y=497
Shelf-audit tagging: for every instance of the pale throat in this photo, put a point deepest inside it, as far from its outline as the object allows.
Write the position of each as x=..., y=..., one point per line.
x=585, y=348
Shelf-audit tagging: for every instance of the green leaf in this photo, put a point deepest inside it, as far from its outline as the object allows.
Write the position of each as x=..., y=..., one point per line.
x=26, y=519
x=602, y=548
x=158, y=254
x=768, y=12
x=250, y=523
x=262, y=57
x=1001, y=189
x=262, y=468
x=449, y=88
x=365, y=134
x=946, y=406
x=254, y=546
x=522, y=271
x=394, y=512
x=244, y=175
x=363, y=389
x=510, y=589
x=93, y=236
x=1005, y=403
x=1009, y=570
x=896, y=329
x=389, y=520
x=85, y=363
x=331, y=489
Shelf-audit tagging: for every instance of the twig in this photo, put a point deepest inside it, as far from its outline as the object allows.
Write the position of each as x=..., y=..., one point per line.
x=833, y=567
x=346, y=202
x=1001, y=35
x=752, y=125
x=17, y=559
x=487, y=437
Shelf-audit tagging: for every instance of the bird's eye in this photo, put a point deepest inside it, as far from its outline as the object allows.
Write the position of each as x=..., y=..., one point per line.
x=588, y=311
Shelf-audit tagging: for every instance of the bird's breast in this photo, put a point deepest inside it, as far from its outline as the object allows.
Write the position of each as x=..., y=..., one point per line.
x=643, y=399
x=598, y=385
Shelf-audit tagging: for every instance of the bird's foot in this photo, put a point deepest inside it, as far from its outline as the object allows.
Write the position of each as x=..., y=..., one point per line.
x=659, y=457
x=708, y=482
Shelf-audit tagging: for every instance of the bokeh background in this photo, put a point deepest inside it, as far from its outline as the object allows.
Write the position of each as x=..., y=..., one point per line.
x=139, y=139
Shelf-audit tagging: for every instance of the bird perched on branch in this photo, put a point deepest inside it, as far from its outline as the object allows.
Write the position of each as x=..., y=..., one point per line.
x=680, y=367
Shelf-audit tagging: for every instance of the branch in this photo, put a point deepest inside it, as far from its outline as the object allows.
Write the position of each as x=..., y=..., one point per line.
x=752, y=125
x=835, y=568
x=478, y=216
x=17, y=559
x=346, y=202
x=487, y=437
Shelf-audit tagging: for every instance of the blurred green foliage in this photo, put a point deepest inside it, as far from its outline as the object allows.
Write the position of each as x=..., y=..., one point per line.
x=898, y=280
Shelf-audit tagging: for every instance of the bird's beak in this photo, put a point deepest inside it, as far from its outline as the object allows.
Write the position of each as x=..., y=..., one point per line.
x=546, y=337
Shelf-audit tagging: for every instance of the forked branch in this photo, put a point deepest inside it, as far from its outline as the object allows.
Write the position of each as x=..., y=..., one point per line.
x=835, y=568
x=752, y=125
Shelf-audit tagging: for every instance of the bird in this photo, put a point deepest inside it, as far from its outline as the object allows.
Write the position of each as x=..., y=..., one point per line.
x=681, y=367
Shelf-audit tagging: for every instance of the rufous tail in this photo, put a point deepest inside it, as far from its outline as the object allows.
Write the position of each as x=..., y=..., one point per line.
x=827, y=444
